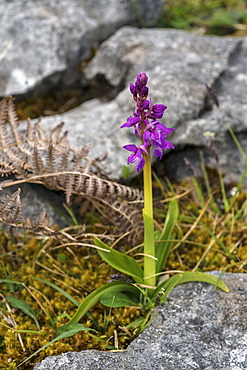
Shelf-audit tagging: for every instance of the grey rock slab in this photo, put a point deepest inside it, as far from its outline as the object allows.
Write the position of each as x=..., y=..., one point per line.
x=195, y=134
x=111, y=14
x=178, y=64
x=42, y=42
x=199, y=328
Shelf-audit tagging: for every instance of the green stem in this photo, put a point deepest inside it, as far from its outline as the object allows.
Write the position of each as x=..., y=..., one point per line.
x=149, y=245
x=148, y=191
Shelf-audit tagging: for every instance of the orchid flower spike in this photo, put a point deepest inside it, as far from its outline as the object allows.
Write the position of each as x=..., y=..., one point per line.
x=146, y=124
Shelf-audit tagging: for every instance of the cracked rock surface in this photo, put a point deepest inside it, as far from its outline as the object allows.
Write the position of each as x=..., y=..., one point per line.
x=199, y=328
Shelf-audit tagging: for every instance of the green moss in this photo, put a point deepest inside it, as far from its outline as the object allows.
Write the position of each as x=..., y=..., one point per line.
x=77, y=277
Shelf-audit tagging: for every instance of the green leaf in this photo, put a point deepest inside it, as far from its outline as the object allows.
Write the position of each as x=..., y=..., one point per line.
x=94, y=297
x=60, y=290
x=120, y=261
x=117, y=299
x=187, y=277
x=66, y=332
x=24, y=307
x=74, y=326
x=162, y=250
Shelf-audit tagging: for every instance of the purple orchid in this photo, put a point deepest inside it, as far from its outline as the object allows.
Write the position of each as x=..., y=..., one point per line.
x=137, y=156
x=131, y=121
x=146, y=125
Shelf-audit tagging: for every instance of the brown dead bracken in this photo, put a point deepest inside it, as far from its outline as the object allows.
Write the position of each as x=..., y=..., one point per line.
x=35, y=156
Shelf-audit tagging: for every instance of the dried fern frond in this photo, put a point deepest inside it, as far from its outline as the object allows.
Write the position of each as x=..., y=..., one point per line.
x=35, y=156
x=11, y=213
x=10, y=208
x=48, y=159
x=129, y=220
x=125, y=217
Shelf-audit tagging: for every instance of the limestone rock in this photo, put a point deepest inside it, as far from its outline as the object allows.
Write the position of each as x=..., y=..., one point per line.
x=200, y=327
x=42, y=42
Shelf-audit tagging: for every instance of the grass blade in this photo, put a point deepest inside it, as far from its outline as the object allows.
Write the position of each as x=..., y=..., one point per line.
x=60, y=290
x=24, y=307
x=66, y=333
x=162, y=250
